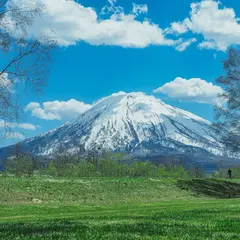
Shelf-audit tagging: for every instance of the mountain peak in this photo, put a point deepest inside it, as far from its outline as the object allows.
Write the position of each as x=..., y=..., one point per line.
x=140, y=102
x=134, y=123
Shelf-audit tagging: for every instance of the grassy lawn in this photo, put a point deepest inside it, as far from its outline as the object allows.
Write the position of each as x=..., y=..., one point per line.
x=119, y=209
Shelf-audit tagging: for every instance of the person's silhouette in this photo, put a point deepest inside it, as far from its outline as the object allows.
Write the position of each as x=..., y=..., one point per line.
x=229, y=173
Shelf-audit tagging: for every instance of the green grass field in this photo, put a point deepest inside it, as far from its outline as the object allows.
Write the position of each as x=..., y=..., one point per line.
x=144, y=208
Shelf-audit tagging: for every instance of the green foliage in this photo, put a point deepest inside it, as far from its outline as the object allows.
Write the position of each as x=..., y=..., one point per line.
x=51, y=170
x=113, y=167
x=108, y=165
x=20, y=166
x=67, y=169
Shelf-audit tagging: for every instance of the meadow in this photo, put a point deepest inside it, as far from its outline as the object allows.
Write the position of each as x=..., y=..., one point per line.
x=119, y=208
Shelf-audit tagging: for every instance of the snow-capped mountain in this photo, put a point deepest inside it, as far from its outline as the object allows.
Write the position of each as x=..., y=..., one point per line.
x=134, y=123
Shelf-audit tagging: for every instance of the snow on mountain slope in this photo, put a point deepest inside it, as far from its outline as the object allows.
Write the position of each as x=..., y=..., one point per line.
x=133, y=123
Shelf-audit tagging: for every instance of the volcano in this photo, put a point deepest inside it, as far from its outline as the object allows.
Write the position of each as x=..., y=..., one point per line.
x=133, y=123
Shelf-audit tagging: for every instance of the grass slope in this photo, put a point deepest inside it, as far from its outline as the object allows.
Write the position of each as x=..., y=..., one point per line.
x=118, y=209
x=96, y=191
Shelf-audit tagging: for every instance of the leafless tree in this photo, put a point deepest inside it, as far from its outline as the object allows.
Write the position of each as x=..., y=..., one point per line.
x=227, y=123
x=27, y=59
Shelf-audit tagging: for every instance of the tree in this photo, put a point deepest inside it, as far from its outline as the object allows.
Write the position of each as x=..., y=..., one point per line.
x=51, y=169
x=24, y=165
x=20, y=163
x=27, y=59
x=196, y=171
x=227, y=122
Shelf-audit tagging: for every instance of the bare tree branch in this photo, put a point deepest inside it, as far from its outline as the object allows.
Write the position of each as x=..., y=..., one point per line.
x=227, y=123
x=28, y=59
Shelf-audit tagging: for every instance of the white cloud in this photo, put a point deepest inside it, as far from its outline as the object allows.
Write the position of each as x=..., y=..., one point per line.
x=57, y=110
x=112, y=2
x=140, y=8
x=14, y=135
x=193, y=90
x=32, y=105
x=177, y=28
x=185, y=44
x=111, y=8
x=219, y=25
x=26, y=126
x=6, y=83
x=69, y=22
x=43, y=114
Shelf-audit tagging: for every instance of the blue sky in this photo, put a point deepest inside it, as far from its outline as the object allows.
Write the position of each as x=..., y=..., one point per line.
x=142, y=47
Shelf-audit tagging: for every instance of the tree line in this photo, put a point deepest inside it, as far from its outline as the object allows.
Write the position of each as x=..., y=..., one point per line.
x=106, y=165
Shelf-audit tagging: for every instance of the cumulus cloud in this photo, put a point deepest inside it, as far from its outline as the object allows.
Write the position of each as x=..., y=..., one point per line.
x=57, y=110
x=25, y=126
x=44, y=114
x=193, y=90
x=219, y=25
x=69, y=22
x=178, y=28
x=31, y=106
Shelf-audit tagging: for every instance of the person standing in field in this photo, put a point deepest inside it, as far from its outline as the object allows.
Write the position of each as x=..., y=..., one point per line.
x=229, y=173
